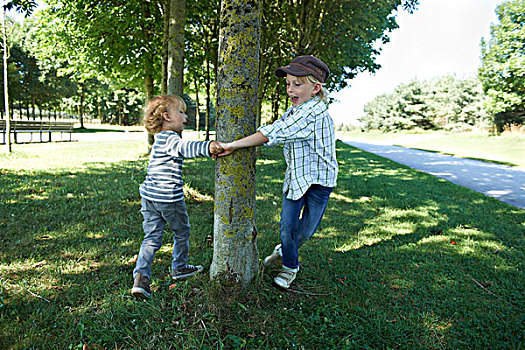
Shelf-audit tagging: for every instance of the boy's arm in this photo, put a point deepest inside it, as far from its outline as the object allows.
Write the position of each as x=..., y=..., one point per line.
x=176, y=147
x=256, y=139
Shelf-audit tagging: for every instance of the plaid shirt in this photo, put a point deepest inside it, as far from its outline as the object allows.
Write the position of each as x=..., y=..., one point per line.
x=164, y=179
x=307, y=133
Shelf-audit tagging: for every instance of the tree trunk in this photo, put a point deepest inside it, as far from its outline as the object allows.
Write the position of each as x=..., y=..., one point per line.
x=235, y=235
x=208, y=100
x=197, y=107
x=275, y=102
x=148, y=88
x=165, y=48
x=119, y=111
x=81, y=107
x=33, y=109
x=6, y=91
x=176, y=47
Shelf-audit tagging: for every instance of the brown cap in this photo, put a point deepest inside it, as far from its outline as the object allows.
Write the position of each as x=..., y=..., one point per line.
x=305, y=65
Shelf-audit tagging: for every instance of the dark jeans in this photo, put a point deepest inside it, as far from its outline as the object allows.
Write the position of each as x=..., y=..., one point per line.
x=296, y=230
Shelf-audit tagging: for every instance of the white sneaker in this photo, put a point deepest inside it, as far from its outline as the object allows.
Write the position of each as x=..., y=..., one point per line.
x=275, y=258
x=285, y=278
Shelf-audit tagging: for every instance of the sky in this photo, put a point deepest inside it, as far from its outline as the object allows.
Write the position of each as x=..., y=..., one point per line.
x=441, y=37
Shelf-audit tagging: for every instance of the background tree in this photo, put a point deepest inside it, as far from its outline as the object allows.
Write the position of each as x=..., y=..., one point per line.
x=5, y=90
x=121, y=41
x=444, y=103
x=114, y=39
x=176, y=45
x=235, y=235
x=26, y=6
x=202, y=33
x=341, y=33
x=503, y=60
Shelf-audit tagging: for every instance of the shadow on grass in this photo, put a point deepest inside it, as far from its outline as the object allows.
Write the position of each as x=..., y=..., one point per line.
x=401, y=259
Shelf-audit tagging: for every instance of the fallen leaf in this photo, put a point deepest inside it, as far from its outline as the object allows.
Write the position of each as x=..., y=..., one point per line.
x=92, y=347
x=133, y=260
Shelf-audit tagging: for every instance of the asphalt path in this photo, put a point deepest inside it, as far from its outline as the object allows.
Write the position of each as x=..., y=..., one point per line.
x=499, y=181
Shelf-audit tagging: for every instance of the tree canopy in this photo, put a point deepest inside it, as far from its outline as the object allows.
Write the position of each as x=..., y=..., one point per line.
x=503, y=64
x=122, y=41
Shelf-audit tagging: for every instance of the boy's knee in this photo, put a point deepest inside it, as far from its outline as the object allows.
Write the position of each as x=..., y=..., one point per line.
x=182, y=234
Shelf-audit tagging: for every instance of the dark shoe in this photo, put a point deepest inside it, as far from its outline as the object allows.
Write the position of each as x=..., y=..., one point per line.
x=187, y=271
x=275, y=258
x=285, y=278
x=141, y=286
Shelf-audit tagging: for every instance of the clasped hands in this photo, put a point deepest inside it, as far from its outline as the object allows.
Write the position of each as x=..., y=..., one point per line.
x=220, y=149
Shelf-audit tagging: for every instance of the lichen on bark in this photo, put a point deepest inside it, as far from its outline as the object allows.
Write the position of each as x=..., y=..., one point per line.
x=235, y=242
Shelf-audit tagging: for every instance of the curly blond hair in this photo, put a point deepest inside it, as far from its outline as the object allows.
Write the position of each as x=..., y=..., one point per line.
x=156, y=107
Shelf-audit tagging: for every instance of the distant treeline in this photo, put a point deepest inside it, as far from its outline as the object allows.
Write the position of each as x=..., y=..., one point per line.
x=444, y=103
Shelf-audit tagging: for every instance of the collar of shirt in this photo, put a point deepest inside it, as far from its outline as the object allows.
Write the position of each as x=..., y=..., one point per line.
x=305, y=105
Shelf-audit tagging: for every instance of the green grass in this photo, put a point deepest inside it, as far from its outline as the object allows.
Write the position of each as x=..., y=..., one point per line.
x=401, y=260
x=507, y=148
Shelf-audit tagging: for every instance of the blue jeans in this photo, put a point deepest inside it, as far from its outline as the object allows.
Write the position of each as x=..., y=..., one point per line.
x=296, y=230
x=156, y=215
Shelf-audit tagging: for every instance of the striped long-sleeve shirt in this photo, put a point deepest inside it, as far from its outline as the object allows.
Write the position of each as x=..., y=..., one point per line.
x=164, y=179
x=308, y=137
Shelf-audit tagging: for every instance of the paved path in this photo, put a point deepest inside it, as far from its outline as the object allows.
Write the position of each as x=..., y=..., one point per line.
x=499, y=181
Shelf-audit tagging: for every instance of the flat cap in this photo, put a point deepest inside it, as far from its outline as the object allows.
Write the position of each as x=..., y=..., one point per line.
x=305, y=65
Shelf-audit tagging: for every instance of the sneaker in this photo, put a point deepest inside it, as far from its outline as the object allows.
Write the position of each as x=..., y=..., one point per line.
x=275, y=258
x=285, y=278
x=187, y=271
x=141, y=286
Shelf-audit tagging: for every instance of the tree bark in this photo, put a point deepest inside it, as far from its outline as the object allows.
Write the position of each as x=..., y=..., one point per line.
x=81, y=107
x=6, y=91
x=208, y=100
x=235, y=236
x=176, y=47
x=165, y=48
x=197, y=108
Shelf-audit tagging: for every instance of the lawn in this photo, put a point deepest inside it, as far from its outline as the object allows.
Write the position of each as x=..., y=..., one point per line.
x=401, y=260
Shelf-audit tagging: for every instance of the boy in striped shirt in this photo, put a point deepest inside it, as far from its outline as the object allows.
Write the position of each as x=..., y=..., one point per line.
x=161, y=191
x=307, y=134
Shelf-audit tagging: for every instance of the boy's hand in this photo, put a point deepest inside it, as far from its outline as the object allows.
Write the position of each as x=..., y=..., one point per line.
x=227, y=149
x=215, y=148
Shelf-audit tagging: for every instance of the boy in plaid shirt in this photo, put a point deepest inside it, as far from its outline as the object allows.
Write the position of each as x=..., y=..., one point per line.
x=307, y=134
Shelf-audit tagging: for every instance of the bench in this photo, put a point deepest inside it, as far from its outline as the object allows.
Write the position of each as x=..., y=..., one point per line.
x=42, y=127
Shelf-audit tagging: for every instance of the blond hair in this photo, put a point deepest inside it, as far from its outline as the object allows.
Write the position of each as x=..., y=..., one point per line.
x=156, y=107
x=323, y=93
